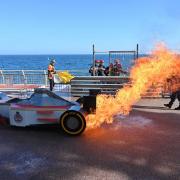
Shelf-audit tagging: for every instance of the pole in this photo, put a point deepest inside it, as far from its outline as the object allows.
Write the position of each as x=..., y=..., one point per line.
x=137, y=51
x=109, y=57
x=93, y=60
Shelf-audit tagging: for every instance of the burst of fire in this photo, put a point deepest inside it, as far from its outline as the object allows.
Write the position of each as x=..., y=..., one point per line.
x=156, y=68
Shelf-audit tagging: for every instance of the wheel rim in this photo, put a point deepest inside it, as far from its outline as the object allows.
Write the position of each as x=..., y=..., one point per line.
x=72, y=123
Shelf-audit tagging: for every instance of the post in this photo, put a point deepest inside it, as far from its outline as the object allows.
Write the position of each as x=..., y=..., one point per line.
x=45, y=78
x=137, y=51
x=93, y=60
x=24, y=77
x=3, y=79
x=109, y=57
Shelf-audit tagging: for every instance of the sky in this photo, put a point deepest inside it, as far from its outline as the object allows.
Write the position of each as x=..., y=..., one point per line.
x=72, y=26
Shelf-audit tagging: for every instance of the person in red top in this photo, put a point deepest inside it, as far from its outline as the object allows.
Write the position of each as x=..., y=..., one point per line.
x=51, y=72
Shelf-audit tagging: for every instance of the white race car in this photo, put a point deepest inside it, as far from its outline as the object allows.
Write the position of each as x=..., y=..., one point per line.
x=44, y=107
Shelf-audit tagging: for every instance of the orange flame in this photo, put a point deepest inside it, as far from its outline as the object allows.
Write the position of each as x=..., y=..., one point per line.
x=156, y=68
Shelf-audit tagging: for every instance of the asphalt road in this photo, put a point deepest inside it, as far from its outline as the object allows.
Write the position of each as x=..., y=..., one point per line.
x=144, y=145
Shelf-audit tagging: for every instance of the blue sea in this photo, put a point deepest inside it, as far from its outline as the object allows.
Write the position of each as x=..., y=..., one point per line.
x=78, y=63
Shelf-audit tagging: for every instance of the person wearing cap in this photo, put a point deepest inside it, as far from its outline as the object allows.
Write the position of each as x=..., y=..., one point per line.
x=94, y=69
x=51, y=72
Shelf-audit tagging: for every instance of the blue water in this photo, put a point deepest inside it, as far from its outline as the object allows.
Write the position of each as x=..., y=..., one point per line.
x=63, y=62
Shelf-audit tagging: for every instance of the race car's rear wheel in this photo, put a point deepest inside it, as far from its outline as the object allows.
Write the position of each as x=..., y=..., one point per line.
x=73, y=122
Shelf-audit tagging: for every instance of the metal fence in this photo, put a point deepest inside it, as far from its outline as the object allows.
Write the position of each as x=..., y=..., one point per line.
x=81, y=85
x=23, y=81
x=36, y=77
x=127, y=57
x=14, y=77
x=27, y=80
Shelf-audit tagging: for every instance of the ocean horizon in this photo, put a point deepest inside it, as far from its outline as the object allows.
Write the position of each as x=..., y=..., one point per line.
x=77, y=62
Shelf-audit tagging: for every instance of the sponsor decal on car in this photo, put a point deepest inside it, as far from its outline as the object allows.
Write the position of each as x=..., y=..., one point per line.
x=18, y=117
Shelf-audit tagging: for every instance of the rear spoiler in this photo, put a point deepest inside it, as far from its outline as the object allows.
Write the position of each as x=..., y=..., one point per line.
x=89, y=102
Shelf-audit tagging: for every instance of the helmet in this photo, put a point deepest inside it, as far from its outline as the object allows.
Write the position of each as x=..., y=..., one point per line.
x=101, y=61
x=52, y=61
x=97, y=61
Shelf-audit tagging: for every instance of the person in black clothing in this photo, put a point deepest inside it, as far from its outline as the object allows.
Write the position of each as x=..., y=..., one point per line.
x=101, y=68
x=175, y=92
x=95, y=68
x=173, y=97
x=106, y=71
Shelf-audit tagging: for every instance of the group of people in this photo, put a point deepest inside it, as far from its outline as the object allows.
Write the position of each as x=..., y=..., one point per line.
x=112, y=70
x=98, y=70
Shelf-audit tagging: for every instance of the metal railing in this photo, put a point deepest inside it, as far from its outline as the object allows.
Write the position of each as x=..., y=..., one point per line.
x=27, y=80
x=81, y=85
x=10, y=77
x=38, y=77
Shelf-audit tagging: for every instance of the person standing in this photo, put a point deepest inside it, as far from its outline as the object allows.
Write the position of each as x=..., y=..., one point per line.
x=51, y=72
x=111, y=69
x=175, y=92
x=173, y=97
x=101, y=68
x=118, y=68
x=94, y=69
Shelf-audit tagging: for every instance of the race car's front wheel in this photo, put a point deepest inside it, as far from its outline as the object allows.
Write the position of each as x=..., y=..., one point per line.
x=73, y=122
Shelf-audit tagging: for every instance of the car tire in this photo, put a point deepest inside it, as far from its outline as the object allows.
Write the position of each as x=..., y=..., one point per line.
x=73, y=123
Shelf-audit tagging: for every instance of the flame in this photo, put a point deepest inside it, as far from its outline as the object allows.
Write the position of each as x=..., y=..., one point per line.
x=156, y=68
